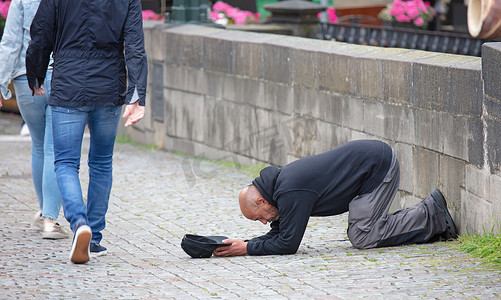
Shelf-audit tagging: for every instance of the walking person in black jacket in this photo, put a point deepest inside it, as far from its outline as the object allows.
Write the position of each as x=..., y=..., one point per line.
x=359, y=177
x=97, y=46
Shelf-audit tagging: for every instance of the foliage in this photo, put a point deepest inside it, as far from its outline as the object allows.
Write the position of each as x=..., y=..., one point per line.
x=418, y=12
x=4, y=9
x=486, y=246
x=224, y=14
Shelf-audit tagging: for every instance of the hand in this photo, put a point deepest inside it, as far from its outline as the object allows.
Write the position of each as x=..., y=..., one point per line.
x=1, y=99
x=133, y=112
x=40, y=91
x=235, y=249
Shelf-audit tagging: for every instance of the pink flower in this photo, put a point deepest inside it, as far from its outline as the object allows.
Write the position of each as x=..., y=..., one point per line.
x=331, y=15
x=221, y=6
x=419, y=22
x=4, y=9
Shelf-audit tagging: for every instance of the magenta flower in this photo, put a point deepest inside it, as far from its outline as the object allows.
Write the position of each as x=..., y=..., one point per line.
x=227, y=14
x=419, y=22
x=4, y=9
x=416, y=11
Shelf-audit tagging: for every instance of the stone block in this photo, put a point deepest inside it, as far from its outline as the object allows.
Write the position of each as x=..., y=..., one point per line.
x=478, y=182
x=493, y=144
x=270, y=141
x=307, y=102
x=374, y=118
x=304, y=136
x=399, y=123
x=430, y=85
x=330, y=136
x=331, y=107
x=305, y=68
x=218, y=55
x=192, y=51
x=452, y=180
x=369, y=72
x=425, y=171
x=248, y=60
x=333, y=73
x=491, y=73
x=278, y=62
x=476, y=214
x=475, y=141
x=465, y=91
x=277, y=96
x=214, y=82
x=496, y=202
x=492, y=107
x=185, y=115
x=426, y=125
x=190, y=79
x=404, y=155
x=353, y=113
x=453, y=135
x=397, y=81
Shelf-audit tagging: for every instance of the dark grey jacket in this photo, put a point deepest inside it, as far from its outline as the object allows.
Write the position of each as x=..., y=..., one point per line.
x=319, y=185
x=88, y=39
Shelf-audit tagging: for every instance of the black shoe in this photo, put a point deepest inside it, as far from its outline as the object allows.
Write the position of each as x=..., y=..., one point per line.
x=450, y=232
x=97, y=250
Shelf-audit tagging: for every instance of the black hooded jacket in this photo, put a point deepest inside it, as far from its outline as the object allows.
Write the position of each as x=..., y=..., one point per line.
x=95, y=45
x=319, y=185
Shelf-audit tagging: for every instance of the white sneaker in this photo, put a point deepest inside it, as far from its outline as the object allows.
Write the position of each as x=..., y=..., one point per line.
x=80, y=251
x=37, y=222
x=52, y=230
x=25, y=131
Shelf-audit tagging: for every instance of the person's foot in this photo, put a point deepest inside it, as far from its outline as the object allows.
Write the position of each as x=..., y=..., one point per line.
x=450, y=232
x=37, y=222
x=80, y=252
x=52, y=230
x=97, y=250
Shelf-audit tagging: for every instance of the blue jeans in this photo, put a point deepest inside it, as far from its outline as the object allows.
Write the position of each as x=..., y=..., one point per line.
x=38, y=116
x=69, y=124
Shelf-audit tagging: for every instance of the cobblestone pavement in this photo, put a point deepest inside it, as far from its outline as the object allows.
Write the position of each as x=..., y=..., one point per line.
x=152, y=206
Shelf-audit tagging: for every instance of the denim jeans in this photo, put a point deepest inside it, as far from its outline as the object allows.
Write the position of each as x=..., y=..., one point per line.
x=38, y=116
x=69, y=124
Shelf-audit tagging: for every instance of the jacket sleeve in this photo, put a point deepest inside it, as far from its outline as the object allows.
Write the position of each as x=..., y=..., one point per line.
x=135, y=55
x=10, y=47
x=286, y=234
x=42, y=32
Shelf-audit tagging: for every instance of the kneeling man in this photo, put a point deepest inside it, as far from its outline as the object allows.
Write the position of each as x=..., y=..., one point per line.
x=360, y=177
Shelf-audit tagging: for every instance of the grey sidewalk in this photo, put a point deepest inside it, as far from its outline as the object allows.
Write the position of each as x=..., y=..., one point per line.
x=152, y=207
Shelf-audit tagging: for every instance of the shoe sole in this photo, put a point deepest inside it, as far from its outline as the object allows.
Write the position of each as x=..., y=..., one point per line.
x=54, y=235
x=80, y=252
x=96, y=254
x=451, y=231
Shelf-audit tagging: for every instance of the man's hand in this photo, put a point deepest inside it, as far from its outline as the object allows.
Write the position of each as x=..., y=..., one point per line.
x=1, y=99
x=40, y=91
x=235, y=249
x=133, y=112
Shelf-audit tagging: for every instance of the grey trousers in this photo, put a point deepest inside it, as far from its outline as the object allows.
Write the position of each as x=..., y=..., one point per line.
x=370, y=225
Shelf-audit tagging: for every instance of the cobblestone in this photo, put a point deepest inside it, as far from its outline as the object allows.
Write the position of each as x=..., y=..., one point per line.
x=152, y=206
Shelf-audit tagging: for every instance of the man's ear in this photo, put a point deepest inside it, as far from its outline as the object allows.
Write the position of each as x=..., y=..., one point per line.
x=261, y=201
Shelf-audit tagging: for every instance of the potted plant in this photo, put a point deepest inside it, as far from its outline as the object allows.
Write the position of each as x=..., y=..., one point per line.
x=4, y=9
x=408, y=13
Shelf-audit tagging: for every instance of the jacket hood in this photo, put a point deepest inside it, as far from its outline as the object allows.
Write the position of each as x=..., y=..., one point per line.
x=265, y=183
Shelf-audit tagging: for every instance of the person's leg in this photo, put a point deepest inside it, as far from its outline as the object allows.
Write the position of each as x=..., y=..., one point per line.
x=371, y=226
x=32, y=109
x=51, y=193
x=68, y=126
x=103, y=125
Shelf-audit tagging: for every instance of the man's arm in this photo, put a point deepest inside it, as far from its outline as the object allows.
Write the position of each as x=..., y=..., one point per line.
x=285, y=235
x=135, y=55
x=42, y=32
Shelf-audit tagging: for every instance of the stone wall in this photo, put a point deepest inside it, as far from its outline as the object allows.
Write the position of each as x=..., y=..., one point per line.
x=263, y=98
